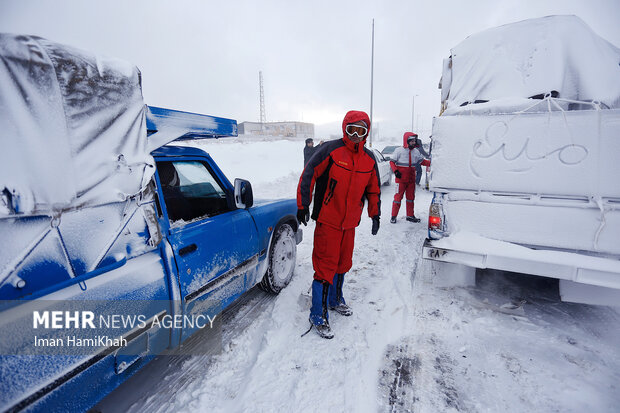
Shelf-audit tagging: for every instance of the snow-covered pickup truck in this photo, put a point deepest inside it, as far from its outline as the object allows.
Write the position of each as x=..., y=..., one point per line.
x=116, y=247
x=526, y=157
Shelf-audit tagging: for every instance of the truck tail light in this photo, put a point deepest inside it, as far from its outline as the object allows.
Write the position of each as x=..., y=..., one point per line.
x=434, y=217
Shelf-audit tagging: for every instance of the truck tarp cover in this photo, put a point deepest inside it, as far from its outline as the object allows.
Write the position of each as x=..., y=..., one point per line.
x=532, y=57
x=72, y=128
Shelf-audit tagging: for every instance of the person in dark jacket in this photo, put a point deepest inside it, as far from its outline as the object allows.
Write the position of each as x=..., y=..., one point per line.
x=403, y=163
x=342, y=174
x=309, y=150
x=418, y=166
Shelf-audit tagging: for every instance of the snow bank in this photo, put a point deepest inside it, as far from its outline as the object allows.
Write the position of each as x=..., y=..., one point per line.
x=263, y=162
x=73, y=129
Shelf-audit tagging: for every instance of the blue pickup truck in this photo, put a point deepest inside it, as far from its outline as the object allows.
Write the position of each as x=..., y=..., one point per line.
x=119, y=241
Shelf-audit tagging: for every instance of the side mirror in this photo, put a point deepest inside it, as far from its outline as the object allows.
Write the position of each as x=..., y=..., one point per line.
x=244, y=198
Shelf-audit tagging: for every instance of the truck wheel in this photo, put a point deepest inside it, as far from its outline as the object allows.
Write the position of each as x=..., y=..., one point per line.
x=282, y=256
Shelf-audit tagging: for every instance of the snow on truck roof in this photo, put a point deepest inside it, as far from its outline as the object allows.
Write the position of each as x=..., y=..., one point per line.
x=73, y=128
x=533, y=57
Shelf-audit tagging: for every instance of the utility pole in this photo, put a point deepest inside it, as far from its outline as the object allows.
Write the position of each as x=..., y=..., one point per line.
x=413, y=112
x=263, y=117
x=372, y=68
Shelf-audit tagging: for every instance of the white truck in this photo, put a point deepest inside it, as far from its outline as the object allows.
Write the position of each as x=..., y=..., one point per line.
x=526, y=157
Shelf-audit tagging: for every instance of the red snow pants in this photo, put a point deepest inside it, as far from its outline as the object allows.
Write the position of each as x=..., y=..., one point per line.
x=407, y=188
x=333, y=251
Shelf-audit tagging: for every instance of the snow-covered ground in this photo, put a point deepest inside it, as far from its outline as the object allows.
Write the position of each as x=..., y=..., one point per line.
x=412, y=344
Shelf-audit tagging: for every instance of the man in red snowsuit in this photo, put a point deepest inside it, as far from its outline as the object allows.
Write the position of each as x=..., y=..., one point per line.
x=403, y=162
x=343, y=174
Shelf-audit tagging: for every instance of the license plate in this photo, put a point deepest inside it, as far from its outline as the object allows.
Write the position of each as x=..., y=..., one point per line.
x=436, y=253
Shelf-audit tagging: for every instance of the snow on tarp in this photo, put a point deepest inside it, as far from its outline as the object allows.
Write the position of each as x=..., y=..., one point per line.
x=532, y=57
x=72, y=128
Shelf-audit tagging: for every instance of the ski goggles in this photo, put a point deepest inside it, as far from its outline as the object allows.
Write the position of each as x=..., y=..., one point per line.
x=358, y=130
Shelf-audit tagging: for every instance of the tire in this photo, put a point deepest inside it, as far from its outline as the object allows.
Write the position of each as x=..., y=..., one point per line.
x=282, y=257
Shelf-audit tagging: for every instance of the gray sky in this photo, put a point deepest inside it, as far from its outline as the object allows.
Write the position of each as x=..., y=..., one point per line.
x=204, y=56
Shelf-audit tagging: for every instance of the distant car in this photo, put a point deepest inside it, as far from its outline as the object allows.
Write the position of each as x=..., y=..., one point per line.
x=388, y=151
x=383, y=164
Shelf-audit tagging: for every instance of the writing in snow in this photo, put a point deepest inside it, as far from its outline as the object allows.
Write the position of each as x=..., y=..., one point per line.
x=87, y=319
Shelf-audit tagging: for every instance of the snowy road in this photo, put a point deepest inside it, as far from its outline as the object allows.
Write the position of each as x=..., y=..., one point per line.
x=507, y=344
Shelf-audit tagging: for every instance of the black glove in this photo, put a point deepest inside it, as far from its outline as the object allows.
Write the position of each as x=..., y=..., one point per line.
x=397, y=174
x=375, y=225
x=303, y=216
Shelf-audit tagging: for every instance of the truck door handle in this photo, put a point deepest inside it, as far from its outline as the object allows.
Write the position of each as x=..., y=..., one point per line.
x=189, y=249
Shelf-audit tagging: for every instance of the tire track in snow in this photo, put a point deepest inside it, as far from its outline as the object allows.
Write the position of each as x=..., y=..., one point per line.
x=399, y=376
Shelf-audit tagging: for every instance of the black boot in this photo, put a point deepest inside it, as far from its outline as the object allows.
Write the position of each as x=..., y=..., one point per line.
x=413, y=219
x=393, y=220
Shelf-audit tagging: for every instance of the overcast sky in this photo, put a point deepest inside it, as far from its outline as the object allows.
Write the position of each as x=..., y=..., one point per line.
x=204, y=56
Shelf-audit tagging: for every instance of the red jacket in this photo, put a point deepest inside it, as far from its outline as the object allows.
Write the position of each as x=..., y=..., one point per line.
x=405, y=160
x=342, y=175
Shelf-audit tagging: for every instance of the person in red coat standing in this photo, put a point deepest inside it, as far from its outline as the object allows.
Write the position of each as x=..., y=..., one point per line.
x=343, y=175
x=403, y=163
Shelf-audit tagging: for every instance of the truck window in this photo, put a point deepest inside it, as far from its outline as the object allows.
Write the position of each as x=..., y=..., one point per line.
x=190, y=190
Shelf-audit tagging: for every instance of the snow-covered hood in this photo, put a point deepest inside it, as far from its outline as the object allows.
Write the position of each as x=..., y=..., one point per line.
x=72, y=128
x=533, y=57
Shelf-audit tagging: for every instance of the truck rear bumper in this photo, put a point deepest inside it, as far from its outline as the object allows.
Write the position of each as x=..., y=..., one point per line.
x=480, y=252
